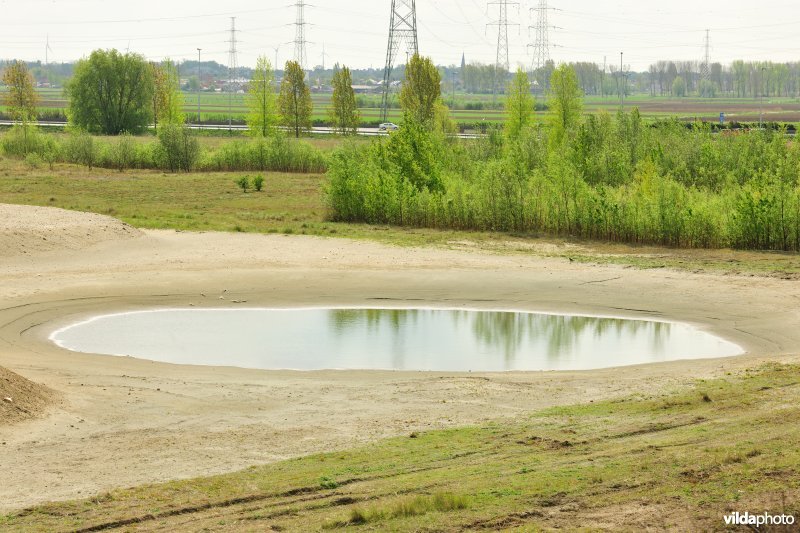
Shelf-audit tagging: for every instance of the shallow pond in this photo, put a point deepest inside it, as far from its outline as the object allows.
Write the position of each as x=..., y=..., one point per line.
x=388, y=339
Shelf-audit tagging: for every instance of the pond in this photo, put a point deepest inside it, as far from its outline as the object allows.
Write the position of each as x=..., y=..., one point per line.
x=388, y=339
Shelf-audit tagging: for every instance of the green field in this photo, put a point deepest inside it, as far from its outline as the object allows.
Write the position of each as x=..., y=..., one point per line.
x=675, y=460
x=217, y=107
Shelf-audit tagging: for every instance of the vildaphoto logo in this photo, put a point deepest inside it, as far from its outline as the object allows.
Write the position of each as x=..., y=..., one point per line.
x=764, y=519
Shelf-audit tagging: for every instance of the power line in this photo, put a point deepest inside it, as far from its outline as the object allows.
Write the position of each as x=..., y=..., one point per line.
x=541, y=46
x=705, y=66
x=233, y=73
x=402, y=30
x=501, y=61
x=300, y=35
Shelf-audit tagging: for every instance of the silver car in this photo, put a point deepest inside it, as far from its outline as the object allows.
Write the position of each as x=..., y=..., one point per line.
x=388, y=126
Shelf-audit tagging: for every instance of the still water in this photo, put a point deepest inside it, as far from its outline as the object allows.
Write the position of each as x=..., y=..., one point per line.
x=388, y=339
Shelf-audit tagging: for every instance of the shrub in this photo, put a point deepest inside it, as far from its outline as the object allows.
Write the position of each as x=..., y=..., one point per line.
x=81, y=149
x=243, y=183
x=33, y=160
x=179, y=148
x=258, y=183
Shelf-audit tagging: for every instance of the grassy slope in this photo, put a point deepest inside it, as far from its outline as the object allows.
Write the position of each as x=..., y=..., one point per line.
x=678, y=460
x=294, y=203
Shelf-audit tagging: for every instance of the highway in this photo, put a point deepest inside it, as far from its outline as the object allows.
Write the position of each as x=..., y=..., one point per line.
x=365, y=132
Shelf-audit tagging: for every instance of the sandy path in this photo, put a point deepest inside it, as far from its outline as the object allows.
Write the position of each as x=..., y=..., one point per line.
x=124, y=422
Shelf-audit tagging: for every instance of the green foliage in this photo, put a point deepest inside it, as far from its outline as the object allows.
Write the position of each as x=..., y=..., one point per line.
x=295, y=100
x=179, y=148
x=81, y=149
x=21, y=97
x=22, y=140
x=111, y=93
x=258, y=183
x=167, y=95
x=243, y=183
x=266, y=154
x=124, y=152
x=421, y=91
x=679, y=87
x=613, y=179
x=33, y=160
x=344, y=110
x=519, y=105
x=708, y=89
x=262, y=116
x=564, y=101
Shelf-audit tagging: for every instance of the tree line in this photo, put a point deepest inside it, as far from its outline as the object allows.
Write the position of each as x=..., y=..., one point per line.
x=600, y=176
x=112, y=93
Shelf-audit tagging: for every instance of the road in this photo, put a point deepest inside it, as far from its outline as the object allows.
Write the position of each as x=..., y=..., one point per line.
x=365, y=132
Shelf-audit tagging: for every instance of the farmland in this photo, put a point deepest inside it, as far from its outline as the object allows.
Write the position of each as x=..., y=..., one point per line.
x=217, y=107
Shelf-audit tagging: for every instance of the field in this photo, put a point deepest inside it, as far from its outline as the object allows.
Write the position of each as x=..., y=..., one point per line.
x=679, y=460
x=215, y=108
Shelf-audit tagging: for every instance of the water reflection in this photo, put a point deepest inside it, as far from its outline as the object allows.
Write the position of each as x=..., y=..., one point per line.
x=399, y=339
x=505, y=333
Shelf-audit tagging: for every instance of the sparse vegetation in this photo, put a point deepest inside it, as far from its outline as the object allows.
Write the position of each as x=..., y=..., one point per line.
x=691, y=461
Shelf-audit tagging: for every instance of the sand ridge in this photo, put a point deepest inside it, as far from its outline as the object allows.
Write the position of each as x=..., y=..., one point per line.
x=124, y=421
x=30, y=230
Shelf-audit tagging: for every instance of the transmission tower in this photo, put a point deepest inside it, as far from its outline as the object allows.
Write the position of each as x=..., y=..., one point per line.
x=502, y=23
x=705, y=66
x=402, y=32
x=300, y=35
x=541, y=47
x=233, y=72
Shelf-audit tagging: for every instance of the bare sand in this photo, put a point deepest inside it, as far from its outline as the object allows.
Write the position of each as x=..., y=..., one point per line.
x=118, y=422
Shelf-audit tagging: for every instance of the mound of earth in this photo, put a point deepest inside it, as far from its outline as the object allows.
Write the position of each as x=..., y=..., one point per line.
x=21, y=399
x=29, y=230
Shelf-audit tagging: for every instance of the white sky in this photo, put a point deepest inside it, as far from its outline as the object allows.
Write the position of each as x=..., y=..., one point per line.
x=355, y=32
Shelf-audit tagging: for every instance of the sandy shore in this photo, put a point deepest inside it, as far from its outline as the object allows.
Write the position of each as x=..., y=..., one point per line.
x=121, y=422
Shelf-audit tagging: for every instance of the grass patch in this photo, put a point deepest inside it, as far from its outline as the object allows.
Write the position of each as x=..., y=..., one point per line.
x=667, y=458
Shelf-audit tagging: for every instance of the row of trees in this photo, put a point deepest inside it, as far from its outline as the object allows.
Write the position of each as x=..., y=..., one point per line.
x=112, y=93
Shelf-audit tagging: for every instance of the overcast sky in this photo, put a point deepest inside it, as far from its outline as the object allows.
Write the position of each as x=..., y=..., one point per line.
x=355, y=32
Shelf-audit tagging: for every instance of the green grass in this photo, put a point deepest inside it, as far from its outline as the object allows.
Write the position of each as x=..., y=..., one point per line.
x=677, y=459
x=294, y=204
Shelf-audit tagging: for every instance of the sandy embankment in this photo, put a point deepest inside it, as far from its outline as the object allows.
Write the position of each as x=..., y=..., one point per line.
x=122, y=421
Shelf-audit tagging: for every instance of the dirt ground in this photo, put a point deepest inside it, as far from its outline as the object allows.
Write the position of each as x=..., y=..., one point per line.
x=118, y=422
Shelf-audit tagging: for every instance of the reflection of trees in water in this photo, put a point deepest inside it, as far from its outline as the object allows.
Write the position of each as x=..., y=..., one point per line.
x=504, y=332
x=343, y=320
x=370, y=320
x=507, y=332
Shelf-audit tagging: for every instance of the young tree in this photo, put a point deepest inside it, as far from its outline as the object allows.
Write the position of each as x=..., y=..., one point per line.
x=344, y=111
x=21, y=97
x=565, y=101
x=167, y=95
x=262, y=116
x=295, y=99
x=111, y=93
x=519, y=105
x=421, y=90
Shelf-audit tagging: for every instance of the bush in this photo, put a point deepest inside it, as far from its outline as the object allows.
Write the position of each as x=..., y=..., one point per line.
x=33, y=160
x=124, y=152
x=258, y=183
x=243, y=183
x=179, y=149
x=81, y=149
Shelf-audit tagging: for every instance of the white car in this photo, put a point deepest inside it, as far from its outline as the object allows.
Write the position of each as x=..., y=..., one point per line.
x=388, y=126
